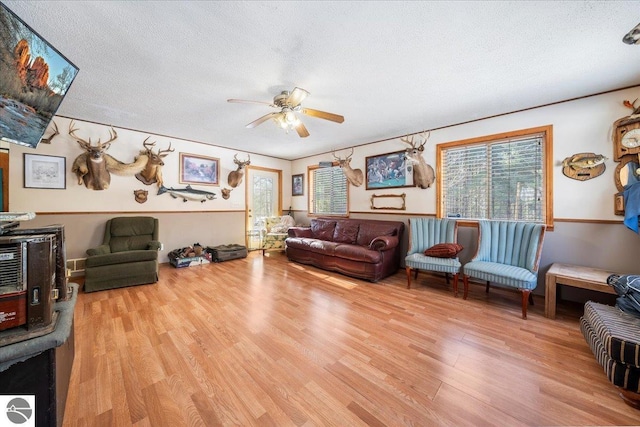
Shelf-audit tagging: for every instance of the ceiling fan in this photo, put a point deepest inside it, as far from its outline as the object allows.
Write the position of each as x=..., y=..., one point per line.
x=289, y=104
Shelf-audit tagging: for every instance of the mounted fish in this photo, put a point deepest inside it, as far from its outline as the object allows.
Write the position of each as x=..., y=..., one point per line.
x=94, y=166
x=584, y=166
x=187, y=194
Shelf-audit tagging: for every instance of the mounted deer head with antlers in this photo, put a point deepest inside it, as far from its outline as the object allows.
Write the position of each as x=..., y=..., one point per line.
x=235, y=177
x=153, y=169
x=423, y=174
x=354, y=176
x=94, y=166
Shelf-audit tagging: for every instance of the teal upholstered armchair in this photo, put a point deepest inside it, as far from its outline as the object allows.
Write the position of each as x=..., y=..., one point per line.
x=425, y=233
x=128, y=255
x=508, y=256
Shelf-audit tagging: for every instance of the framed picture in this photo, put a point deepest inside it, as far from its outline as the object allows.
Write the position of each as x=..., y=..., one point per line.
x=390, y=170
x=34, y=87
x=44, y=171
x=297, y=185
x=200, y=170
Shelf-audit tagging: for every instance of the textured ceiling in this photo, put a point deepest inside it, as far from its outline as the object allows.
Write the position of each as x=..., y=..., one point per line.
x=390, y=68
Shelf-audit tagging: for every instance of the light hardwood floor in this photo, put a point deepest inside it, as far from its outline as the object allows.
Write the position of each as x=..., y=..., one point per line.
x=262, y=341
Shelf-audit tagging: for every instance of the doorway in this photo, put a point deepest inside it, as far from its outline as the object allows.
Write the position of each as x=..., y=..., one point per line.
x=263, y=199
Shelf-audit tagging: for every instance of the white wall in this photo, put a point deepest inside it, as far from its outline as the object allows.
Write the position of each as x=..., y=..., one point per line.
x=119, y=196
x=83, y=212
x=583, y=125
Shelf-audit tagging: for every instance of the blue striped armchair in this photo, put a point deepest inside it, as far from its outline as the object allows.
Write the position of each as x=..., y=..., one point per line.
x=424, y=233
x=508, y=256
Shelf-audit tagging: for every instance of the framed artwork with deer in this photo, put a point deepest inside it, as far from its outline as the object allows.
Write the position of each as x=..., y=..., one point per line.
x=297, y=185
x=44, y=171
x=390, y=170
x=201, y=170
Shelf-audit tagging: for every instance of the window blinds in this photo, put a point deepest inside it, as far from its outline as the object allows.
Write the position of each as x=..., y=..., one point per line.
x=502, y=180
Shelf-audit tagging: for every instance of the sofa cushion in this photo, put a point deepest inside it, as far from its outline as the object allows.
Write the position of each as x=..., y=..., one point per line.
x=322, y=228
x=369, y=231
x=444, y=250
x=312, y=245
x=358, y=253
x=502, y=274
x=346, y=231
x=618, y=331
x=620, y=374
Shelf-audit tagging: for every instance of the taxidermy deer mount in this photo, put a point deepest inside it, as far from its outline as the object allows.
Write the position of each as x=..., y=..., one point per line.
x=94, y=166
x=152, y=171
x=423, y=174
x=354, y=176
x=235, y=177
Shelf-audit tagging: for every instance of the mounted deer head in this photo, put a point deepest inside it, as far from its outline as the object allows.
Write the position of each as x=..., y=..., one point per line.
x=153, y=169
x=354, y=176
x=423, y=174
x=235, y=177
x=93, y=167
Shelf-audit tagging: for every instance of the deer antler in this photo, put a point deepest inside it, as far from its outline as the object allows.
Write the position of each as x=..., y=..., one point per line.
x=84, y=143
x=408, y=140
x=148, y=146
x=168, y=150
x=48, y=139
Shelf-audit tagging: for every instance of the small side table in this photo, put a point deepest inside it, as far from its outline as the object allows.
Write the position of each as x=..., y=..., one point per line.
x=254, y=240
x=575, y=276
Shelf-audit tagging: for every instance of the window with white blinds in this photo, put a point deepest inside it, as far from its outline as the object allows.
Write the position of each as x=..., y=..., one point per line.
x=329, y=192
x=500, y=179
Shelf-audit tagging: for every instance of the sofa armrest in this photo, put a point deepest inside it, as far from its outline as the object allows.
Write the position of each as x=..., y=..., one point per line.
x=154, y=245
x=100, y=250
x=383, y=243
x=299, y=232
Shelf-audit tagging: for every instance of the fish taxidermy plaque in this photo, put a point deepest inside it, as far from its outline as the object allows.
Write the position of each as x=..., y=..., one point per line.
x=584, y=166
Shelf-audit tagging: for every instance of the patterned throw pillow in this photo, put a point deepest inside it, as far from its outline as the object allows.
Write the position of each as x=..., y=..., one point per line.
x=444, y=250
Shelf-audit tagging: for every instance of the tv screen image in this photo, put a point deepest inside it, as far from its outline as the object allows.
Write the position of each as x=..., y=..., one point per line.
x=34, y=79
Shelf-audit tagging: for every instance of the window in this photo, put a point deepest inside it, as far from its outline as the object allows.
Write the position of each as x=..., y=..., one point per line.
x=329, y=191
x=502, y=177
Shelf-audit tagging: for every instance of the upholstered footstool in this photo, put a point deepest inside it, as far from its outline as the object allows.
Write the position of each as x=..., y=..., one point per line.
x=614, y=338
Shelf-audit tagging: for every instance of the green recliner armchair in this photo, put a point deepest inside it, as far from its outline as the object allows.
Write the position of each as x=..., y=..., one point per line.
x=128, y=255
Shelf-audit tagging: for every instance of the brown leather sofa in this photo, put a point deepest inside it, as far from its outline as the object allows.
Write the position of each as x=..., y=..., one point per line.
x=366, y=249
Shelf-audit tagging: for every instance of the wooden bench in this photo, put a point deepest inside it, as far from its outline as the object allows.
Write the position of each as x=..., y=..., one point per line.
x=575, y=276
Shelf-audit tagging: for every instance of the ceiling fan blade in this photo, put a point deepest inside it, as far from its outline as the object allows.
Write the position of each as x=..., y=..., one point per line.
x=296, y=97
x=262, y=119
x=244, y=101
x=323, y=115
x=302, y=130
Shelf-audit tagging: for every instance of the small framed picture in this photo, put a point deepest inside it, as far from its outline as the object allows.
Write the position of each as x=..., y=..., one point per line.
x=297, y=185
x=44, y=171
x=200, y=170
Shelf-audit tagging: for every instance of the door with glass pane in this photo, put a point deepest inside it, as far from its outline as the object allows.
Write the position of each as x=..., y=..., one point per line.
x=263, y=199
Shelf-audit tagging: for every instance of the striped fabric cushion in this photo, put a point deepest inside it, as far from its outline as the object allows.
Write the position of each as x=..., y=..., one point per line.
x=502, y=274
x=620, y=374
x=423, y=262
x=618, y=332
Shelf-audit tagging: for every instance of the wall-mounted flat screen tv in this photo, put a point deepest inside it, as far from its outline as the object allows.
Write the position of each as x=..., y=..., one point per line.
x=34, y=79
